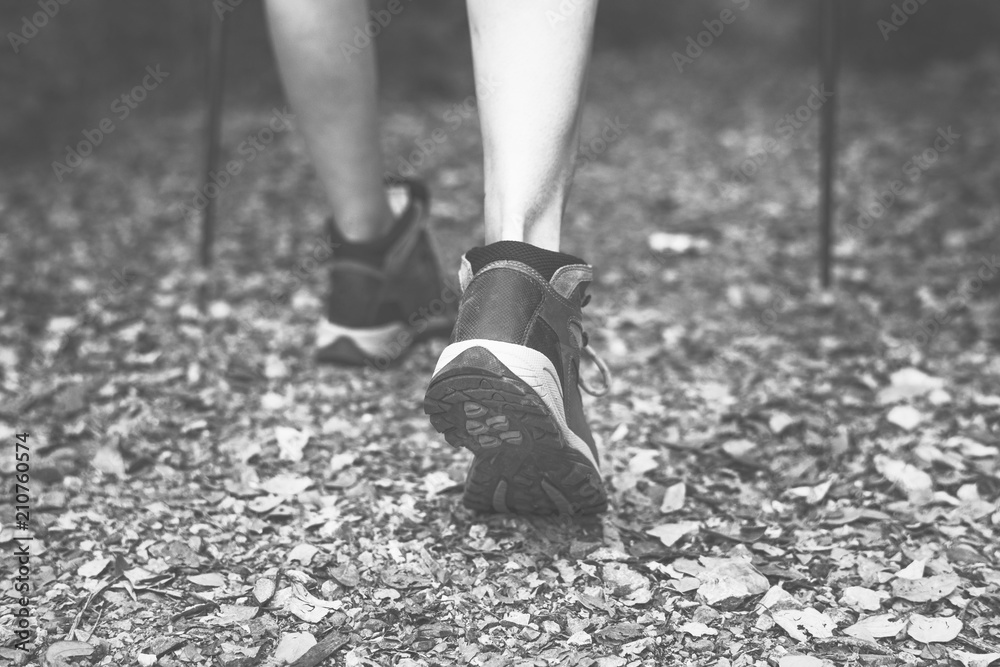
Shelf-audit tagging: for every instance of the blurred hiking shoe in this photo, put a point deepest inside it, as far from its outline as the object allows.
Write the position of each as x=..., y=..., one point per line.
x=508, y=386
x=387, y=294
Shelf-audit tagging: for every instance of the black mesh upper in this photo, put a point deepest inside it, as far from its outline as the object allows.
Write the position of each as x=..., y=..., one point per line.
x=501, y=307
x=546, y=262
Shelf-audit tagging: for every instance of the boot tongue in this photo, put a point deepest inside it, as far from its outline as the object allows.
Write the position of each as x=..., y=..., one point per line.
x=549, y=263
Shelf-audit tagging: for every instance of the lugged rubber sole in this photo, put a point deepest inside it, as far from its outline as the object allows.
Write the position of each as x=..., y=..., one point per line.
x=523, y=463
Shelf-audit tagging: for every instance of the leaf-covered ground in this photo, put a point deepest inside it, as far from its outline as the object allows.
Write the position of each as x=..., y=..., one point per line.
x=799, y=477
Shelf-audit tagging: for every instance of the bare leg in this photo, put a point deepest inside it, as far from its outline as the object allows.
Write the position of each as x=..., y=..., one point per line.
x=531, y=64
x=335, y=99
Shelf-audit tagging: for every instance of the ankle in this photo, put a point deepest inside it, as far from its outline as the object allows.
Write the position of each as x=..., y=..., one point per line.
x=364, y=225
x=365, y=233
x=537, y=223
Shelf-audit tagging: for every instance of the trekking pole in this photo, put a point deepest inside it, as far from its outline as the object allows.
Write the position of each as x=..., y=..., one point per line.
x=213, y=126
x=830, y=61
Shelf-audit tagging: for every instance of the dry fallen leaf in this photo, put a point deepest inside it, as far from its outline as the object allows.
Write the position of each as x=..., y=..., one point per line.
x=291, y=442
x=209, y=579
x=696, y=629
x=875, y=627
x=918, y=485
x=293, y=645
x=729, y=579
x=61, y=653
x=265, y=504
x=303, y=553
x=860, y=598
x=137, y=575
x=812, y=494
x=436, y=482
x=929, y=629
x=930, y=589
x=273, y=402
x=739, y=449
x=800, y=624
x=237, y=650
x=970, y=448
x=621, y=576
x=670, y=533
x=620, y=632
x=638, y=596
x=340, y=461
x=779, y=422
x=685, y=584
x=974, y=659
x=802, y=661
x=643, y=461
x=611, y=661
x=93, y=568
x=263, y=590
x=914, y=570
x=679, y=244
x=517, y=618
x=908, y=383
x=108, y=459
x=231, y=614
x=296, y=599
x=905, y=417
x=286, y=485
x=673, y=498
x=777, y=598
x=346, y=575
x=286, y=600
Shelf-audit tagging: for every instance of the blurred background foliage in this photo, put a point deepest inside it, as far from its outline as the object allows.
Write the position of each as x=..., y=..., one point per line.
x=93, y=50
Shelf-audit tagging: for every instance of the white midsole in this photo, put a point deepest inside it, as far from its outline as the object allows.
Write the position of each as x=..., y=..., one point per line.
x=537, y=371
x=373, y=341
x=388, y=340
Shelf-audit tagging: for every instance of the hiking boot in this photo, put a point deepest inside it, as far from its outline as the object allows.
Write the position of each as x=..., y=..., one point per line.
x=387, y=294
x=508, y=386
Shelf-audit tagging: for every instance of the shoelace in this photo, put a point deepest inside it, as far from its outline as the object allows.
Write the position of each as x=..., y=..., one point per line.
x=600, y=363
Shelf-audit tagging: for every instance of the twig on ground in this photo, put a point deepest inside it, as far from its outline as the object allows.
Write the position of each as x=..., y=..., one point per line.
x=86, y=605
x=858, y=645
x=978, y=645
x=321, y=651
x=100, y=615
